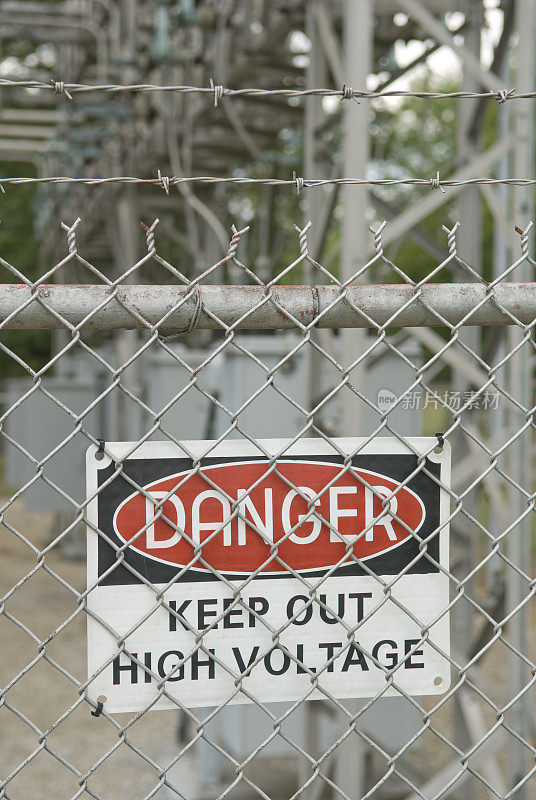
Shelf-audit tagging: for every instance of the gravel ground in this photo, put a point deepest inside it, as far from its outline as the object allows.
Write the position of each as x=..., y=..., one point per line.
x=43, y=694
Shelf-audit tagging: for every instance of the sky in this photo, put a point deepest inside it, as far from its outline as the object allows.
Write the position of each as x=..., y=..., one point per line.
x=444, y=62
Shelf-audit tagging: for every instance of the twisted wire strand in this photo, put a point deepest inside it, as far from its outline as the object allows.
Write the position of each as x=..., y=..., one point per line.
x=219, y=91
x=298, y=183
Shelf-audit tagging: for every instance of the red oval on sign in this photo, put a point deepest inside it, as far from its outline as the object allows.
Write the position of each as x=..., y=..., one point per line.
x=279, y=509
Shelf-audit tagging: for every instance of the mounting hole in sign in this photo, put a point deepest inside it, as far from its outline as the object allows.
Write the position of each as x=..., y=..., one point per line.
x=99, y=456
x=438, y=681
x=102, y=699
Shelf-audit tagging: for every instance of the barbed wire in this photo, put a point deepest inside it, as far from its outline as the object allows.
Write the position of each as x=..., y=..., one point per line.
x=218, y=91
x=165, y=182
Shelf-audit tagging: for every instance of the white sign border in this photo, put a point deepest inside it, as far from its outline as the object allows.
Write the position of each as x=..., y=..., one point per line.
x=120, y=451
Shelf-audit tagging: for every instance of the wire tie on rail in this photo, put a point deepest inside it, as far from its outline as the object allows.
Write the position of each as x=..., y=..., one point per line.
x=435, y=183
x=197, y=309
x=299, y=182
x=218, y=92
x=164, y=181
x=59, y=88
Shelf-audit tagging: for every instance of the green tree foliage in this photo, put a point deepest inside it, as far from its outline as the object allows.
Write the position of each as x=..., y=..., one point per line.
x=410, y=137
x=416, y=140
x=20, y=249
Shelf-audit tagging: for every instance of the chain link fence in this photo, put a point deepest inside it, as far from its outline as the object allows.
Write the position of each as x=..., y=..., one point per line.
x=201, y=369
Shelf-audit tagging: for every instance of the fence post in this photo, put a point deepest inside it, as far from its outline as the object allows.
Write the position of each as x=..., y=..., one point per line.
x=358, y=46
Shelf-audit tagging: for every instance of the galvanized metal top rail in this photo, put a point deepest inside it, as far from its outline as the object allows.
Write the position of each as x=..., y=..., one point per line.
x=183, y=308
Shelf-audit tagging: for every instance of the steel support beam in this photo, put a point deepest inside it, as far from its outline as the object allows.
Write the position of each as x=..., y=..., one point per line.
x=419, y=210
x=330, y=42
x=469, y=246
x=358, y=45
x=431, y=25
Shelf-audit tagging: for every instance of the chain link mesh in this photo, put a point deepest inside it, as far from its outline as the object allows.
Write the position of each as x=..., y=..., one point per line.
x=474, y=384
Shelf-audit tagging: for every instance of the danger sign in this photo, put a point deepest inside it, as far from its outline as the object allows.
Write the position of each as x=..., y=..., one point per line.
x=270, y=573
